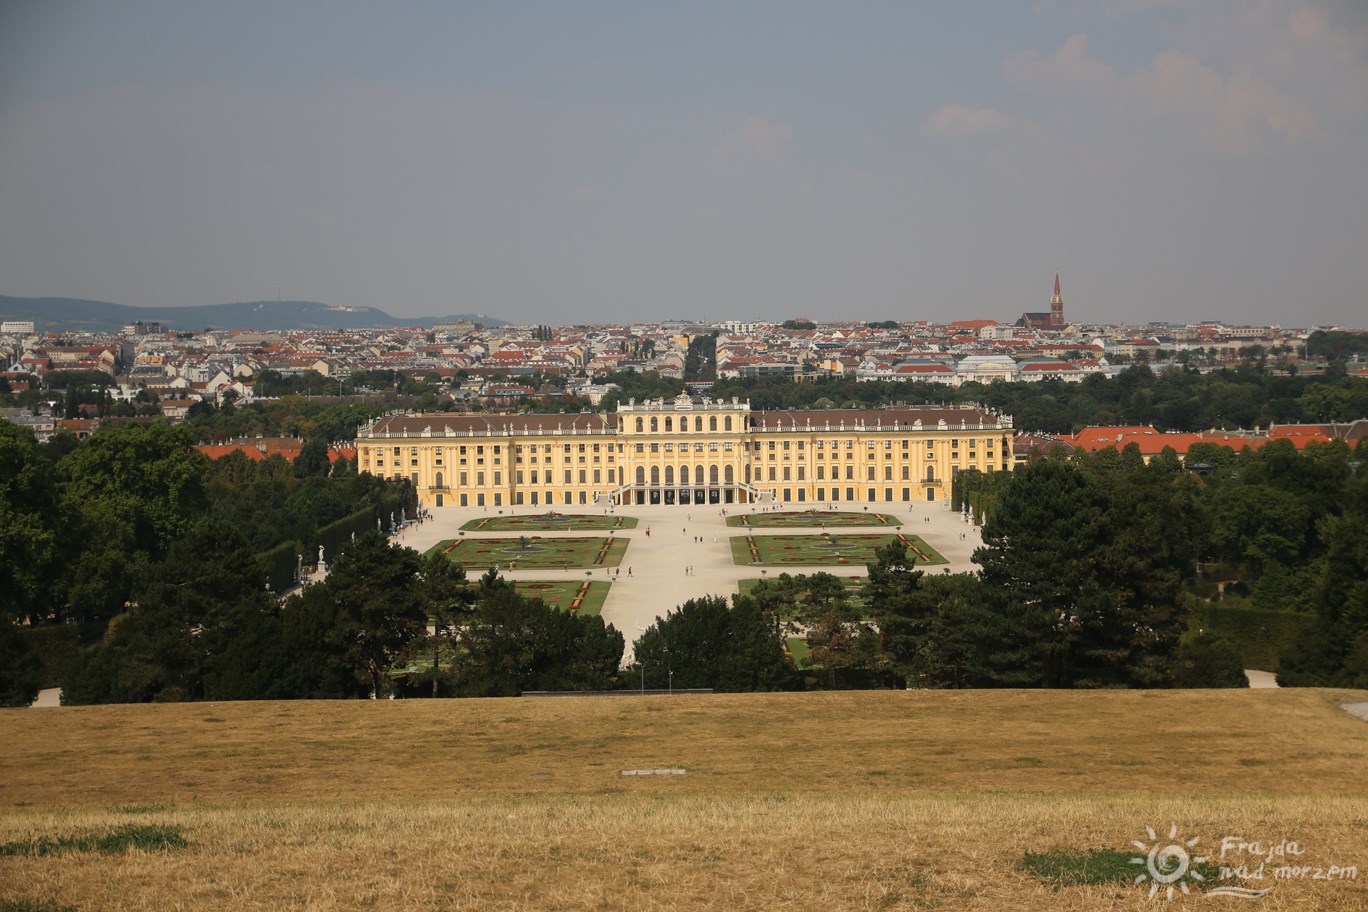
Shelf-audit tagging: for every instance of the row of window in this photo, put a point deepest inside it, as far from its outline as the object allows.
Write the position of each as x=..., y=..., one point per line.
x=712, y=474
x=683, y=447
x=568, y=498
x=669, y=424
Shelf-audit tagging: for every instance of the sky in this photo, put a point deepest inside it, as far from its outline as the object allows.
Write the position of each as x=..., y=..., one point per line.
x=594, y=162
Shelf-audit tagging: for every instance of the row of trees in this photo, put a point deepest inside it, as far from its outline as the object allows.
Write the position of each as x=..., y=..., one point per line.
x=1172, y=399
x=205, y=634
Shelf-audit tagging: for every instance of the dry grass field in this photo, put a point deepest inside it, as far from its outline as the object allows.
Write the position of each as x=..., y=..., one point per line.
x=903, y=800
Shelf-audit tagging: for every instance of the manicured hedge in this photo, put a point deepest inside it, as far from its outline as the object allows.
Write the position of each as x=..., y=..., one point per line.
x=280, y=563
x=1258, y=634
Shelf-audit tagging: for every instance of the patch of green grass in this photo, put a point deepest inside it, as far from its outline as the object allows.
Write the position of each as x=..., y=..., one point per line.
x=1072, y=868
x=33, y=905
x=560, y=594
x=826, y=550
x=812, y=519
x=550, y=522
x=1101, y=866
x=535, y=552
x=147, y=837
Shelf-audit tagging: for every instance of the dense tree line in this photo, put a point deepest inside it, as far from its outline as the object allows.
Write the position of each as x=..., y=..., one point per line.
x=1098, y=570
x=364, y=630
x=90, y=529
x=1336, y=345
x=1173, y=399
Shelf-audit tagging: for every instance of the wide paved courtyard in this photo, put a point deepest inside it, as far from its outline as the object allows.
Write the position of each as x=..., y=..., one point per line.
x=677, y=552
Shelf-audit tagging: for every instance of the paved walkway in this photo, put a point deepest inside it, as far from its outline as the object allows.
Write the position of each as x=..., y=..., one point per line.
x=52, y=696
x=659, y=581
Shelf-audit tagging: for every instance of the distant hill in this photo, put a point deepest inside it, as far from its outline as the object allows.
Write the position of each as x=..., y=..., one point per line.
x=77, y=315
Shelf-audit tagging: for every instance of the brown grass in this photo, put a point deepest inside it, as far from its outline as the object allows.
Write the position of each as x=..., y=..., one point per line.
x=826, y=801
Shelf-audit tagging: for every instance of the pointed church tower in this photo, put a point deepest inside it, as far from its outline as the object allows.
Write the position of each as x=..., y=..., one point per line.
x=1057, y=307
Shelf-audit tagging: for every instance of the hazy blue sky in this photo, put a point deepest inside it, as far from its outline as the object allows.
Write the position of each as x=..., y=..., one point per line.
x=586, y=162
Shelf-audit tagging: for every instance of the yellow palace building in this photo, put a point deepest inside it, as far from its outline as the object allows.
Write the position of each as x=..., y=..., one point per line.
x=686, y=451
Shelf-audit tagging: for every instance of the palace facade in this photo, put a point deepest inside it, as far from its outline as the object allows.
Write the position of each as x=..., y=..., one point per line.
x=686, y=451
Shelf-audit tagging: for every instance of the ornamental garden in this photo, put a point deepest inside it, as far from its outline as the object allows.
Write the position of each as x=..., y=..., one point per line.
x=551, y=522
x=812, y=519
x=533, y=551
x=584, y=598
x=826, y=550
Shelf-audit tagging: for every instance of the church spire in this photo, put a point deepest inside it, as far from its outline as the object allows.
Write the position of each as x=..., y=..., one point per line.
x=1057, y=306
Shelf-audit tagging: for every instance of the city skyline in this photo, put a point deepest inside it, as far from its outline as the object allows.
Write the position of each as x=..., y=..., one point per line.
x=1173, y=161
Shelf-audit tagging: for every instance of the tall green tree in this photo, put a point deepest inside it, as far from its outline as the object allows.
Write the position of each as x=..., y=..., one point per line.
x=893, y=593
x=513, y=644
x=28, y=537
x=381, y=608
x=707, y=643
x=1090, y=564
x=312, y=460
x=21, y=669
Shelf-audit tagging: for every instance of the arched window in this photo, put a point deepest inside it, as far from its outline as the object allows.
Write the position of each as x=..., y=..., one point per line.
x=639, y=426
x=669, y=424
x=655, y=424
x=712, y=474
x=930, y=473
x=655, y=475
x=641, y=472
x=748, y=473
x=698, y=422
x=683, y=474
x=698, y=475
x=728, y=475
x=437, y=482
x=712, y=422
x=726, y=423
x=684, y=425
x=669, y=473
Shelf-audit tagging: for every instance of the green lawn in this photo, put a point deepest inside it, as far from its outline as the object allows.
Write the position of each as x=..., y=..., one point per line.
x=561, y=594
x=823, y=550
x=550, y=522
x=559, y=553
x=813, y=519
x=798, y=650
